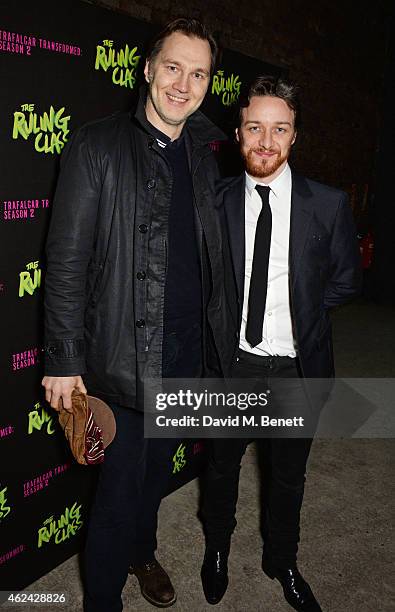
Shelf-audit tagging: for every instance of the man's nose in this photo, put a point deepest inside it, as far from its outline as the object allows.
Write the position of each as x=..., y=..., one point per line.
x=266, y=139
x=181, y=83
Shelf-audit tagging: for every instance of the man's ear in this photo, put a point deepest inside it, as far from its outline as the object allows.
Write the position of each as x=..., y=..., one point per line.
x=146, y=71
x=294, y=138
x=237, y=134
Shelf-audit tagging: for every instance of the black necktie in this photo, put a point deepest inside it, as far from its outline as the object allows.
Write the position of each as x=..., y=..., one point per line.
x=260, y=265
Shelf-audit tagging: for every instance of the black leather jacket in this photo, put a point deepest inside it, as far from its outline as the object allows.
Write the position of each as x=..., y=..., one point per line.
x=106, y=253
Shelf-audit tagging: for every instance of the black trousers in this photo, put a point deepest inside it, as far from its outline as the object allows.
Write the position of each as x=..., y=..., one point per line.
x=283, y=461
x=132, y=481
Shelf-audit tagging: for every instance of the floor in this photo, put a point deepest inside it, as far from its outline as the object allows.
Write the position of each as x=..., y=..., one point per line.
x=346, y=545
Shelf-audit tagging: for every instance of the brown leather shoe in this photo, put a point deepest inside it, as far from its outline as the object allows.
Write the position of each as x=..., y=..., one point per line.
x=155, y=584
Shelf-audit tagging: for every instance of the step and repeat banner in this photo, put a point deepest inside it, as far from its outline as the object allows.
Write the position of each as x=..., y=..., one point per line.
x=62, y=64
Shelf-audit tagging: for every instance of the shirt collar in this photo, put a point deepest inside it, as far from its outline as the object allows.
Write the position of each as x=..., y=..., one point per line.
x=278, y=185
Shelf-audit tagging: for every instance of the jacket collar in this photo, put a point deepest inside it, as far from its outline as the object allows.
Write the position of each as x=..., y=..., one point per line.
x=202, y=131
x=233, y=196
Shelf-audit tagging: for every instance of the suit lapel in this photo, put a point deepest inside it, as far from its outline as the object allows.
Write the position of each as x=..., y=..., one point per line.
x=301, y=215
x=234, y=211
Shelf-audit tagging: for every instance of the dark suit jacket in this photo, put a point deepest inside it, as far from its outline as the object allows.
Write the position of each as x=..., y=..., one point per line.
x=324, y=264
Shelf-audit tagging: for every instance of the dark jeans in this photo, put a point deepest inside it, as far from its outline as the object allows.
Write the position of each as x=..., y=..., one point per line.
x=133, y=478
x=284, y=463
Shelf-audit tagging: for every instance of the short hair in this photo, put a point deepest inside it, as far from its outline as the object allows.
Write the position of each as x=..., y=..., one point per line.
x=276, y=87
x=189, y=27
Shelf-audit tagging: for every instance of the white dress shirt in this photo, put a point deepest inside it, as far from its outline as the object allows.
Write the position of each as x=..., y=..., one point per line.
x=277, y=336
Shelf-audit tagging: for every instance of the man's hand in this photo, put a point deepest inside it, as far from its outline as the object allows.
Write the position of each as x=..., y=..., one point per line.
x=57, y=387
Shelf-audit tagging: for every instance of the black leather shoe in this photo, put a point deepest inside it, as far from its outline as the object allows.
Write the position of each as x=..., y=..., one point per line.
x=214, y=575
x=296, y=590
x=155, y=584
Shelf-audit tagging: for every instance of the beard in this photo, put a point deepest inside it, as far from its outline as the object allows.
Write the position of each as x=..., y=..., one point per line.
x=264, y=167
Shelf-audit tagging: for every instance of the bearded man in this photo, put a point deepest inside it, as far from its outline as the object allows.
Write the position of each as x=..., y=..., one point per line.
x=294, y=252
